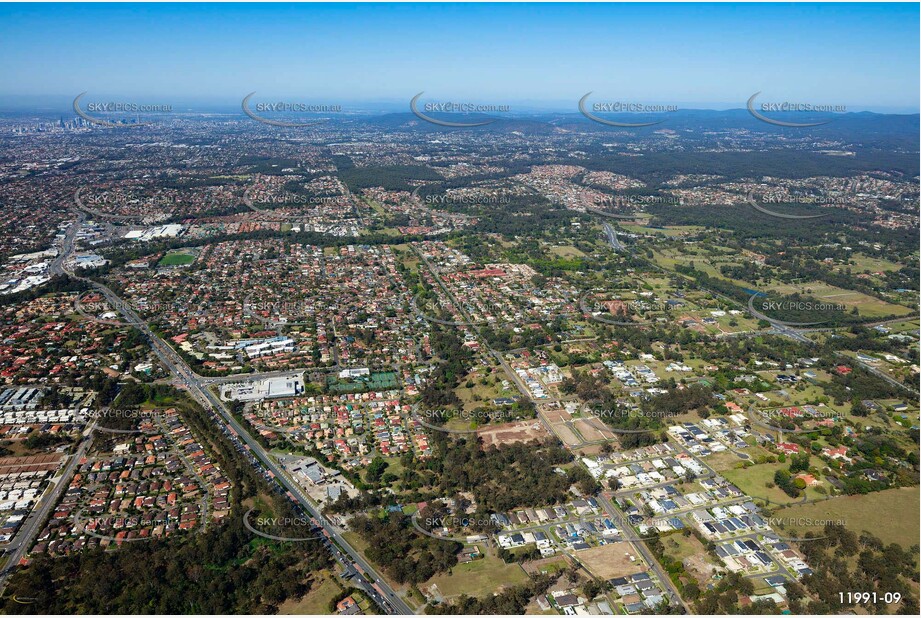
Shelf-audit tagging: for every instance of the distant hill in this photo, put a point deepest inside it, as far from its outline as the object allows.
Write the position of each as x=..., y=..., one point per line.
x=862, y=129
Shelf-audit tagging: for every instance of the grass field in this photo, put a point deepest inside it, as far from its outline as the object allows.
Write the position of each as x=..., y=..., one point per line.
x=890, y=515
x=355, y=540
x=727, y=460
x=314, y=602
x=868, y=306
x=752, y=481
x=480, y=395
x=176, y=259
x=702, y=262
x=680, y=547
x=566, y=251
x=672, y=230
x=478, y=578
x=872, y=264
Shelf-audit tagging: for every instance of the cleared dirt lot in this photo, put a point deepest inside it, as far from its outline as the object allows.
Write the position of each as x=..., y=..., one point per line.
x=520, y=431
x=557, y=416
x=609, y=561
x=566, y=434
x=593, y=429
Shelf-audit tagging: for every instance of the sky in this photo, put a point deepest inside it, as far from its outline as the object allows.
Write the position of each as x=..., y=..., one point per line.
x=708, y=56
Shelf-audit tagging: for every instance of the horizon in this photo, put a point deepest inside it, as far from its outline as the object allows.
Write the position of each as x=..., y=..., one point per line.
x=708, y=57
x=53, y=104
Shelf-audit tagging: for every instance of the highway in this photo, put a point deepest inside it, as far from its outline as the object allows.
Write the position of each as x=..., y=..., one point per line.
x=390, y=602
x=24, y=538
x=21, y=543
x=612, y=238
x=880, y=374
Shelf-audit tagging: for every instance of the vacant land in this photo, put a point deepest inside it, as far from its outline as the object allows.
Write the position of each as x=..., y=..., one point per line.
x=566, y=251
x=478, y=578
x=890, y=515
x=693, y=555
x=753, y=482
x=507, y=433
x=868, y=306
x=553, y=564
x=864, y=263
x=727, y=460
x=566, y=434
x=593, y=430
x=612, y=560
x=314, y=602
x=557, y=415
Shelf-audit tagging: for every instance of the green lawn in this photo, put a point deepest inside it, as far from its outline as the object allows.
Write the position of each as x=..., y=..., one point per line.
x=752, y=481
x=890, y=515
x=478, y=578
x=176, y=259
x=868, y=306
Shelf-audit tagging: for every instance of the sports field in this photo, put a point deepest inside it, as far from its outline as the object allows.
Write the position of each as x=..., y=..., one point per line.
x=176, y=259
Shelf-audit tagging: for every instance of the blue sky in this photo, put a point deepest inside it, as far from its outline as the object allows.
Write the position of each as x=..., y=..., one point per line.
x=864, y=56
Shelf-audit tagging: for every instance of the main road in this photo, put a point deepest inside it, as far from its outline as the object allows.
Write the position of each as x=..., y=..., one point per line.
x=389, y=600
x=609, y=507
x=21, y=543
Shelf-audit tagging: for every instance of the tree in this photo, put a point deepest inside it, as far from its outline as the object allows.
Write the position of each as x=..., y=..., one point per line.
x=376, y=469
